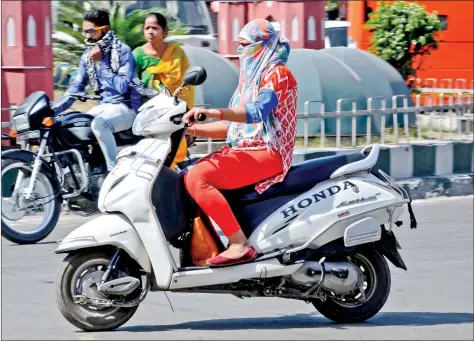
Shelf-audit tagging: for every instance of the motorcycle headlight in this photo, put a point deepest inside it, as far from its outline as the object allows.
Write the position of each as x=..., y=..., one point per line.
x=20, y=122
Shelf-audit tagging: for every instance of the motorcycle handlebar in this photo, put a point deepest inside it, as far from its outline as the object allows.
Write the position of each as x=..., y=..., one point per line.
x=84, y=97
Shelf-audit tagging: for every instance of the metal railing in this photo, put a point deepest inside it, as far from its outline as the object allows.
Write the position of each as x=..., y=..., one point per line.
x=461, y=111
x=12, y=109
x=445, y=85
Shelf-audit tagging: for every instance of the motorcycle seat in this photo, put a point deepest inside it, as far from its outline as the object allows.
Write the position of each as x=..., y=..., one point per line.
x=122, y=137
x=300, y=178
x=125, y=134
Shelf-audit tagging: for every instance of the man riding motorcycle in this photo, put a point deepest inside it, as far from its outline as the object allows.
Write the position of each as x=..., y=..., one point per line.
x=108, y=66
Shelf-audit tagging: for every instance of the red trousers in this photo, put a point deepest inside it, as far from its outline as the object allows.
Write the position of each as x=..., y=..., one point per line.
x=230, y=169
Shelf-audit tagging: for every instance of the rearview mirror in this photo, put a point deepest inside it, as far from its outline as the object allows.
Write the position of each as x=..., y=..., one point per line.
x=195, y=75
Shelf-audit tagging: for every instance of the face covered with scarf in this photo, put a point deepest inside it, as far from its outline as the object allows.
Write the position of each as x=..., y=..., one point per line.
x=266, y=49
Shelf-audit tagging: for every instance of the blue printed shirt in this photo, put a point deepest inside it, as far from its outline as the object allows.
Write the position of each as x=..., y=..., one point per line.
x=114, y=87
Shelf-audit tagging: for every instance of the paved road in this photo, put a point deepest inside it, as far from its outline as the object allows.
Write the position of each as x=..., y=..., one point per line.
x=433, y=300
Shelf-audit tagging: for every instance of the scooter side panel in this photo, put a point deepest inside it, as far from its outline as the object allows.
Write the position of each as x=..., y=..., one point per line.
x=328, y=208
x=132, y=197
x=110, y=229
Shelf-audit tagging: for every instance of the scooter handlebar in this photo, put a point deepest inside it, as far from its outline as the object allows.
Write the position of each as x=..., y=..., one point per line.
x=201, y=117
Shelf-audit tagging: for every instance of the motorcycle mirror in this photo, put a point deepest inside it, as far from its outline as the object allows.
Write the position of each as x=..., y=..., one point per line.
x=195, y=75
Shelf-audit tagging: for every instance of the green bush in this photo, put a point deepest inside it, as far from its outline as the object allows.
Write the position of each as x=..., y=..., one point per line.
x=403, y=33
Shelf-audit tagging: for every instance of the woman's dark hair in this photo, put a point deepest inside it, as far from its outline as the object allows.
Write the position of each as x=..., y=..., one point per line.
x=160, y=19
x=99, y=17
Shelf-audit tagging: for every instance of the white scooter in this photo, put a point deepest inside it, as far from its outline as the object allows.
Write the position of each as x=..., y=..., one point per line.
x=321, y=235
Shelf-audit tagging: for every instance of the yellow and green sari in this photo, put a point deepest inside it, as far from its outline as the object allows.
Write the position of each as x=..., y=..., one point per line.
x=166, y=71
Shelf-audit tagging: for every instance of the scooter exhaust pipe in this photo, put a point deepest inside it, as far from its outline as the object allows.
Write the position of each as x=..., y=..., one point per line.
x=338, y=277
x=120, y=286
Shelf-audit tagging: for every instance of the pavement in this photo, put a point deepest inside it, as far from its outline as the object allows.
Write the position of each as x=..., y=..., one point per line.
x=433, y=300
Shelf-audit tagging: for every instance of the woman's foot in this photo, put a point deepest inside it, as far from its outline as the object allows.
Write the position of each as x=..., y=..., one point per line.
x=236, y=253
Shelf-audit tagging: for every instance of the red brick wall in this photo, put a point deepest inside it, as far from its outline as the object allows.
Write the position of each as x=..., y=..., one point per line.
x=20, y=82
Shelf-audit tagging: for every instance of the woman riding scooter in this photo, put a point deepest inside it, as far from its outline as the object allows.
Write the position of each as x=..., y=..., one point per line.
x=161, y=64
x=260, y=126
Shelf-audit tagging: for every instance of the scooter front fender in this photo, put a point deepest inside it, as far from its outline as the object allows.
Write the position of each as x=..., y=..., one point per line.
x=108, y=229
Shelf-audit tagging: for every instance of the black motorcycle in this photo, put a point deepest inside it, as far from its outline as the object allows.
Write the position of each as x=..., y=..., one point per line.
x=68, y=164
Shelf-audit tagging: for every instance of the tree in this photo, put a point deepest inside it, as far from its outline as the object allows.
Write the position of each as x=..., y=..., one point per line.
x=332, y=9
x=68, y=40
x=403, y=35
x=68, y=44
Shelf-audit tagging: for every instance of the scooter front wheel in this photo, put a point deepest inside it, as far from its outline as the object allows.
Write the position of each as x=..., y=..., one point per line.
x=78, y=275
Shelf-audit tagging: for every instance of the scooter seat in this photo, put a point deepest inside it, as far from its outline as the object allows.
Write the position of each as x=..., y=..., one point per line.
x=251, y=208
x=300, y=178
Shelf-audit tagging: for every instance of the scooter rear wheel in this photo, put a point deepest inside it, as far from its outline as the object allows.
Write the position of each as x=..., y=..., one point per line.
x=377, y=282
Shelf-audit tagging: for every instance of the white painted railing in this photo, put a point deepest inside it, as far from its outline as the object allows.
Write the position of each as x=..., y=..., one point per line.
x=457, y=110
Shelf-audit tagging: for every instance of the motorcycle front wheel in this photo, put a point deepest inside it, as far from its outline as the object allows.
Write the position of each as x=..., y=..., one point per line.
x=27, y=221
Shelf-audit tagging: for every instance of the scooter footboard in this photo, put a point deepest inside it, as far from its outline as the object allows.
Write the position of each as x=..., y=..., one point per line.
x=109, y=229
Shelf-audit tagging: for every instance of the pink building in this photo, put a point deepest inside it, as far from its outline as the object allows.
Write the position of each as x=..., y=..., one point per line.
x=302, y=22
x=27, y=54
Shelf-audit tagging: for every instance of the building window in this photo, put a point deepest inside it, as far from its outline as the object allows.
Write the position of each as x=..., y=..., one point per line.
x=295, y=32
x=235, y=29
x=283, y=30
x=222, y=33
x=269, y=4
x=311, y=29
x=31, y=31
x=47, y=32
x=10, y=31
x=443, y=20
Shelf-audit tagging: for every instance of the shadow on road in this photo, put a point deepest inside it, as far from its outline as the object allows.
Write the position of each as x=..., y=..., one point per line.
x=38, y=243
x=312, y=321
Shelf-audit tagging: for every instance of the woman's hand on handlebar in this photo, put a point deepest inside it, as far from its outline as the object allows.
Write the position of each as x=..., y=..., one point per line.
x=201, y=114
x=194, y=115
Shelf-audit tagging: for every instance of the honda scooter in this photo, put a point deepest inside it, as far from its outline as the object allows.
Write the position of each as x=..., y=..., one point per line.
x=323, y=235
